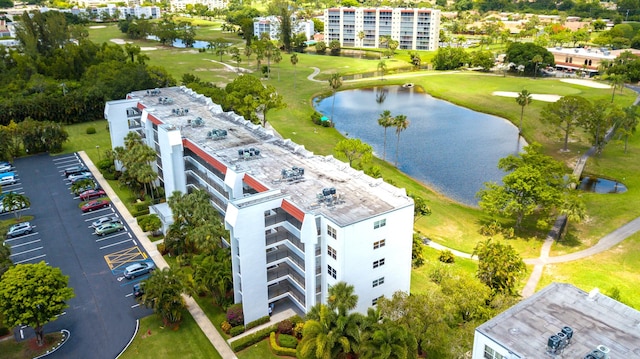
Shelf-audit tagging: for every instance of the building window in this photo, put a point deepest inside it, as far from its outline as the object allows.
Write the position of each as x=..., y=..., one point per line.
x=380, y=223
x=378, y=263
x=375, y=300
x=332, y=232
x=491, y=354
x=379, y=244
x=332, y=272
x=377, y=282
x=331, y=252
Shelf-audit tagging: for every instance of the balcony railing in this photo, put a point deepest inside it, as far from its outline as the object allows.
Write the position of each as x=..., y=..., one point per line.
x=285, y=253
x=283, y=235
x=287, y=288
x=283, y=271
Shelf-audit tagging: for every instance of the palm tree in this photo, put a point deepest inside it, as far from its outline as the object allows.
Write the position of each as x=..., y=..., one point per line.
x=616, y=81
x=523, y=99
x=388, y=340
x=329, y=336
x=15, y=202
x=628, y=123
x=294, y=62
x=536, y=60
x=335, y=82
x=341, y=298
x=385, y=120
x=401, y=123
x=382, y=67
x=163, y=293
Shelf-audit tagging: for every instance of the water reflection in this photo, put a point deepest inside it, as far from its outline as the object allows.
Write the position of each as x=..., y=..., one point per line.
x=601, y=185
x=452, y=149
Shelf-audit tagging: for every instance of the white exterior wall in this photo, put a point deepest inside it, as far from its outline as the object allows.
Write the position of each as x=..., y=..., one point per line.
x=355, y=256
x=116, y=114
x=271, y=25
x=172, y=159
x=480, y=341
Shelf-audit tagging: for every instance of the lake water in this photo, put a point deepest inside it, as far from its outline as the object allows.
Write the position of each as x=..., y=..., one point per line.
x=450, y=148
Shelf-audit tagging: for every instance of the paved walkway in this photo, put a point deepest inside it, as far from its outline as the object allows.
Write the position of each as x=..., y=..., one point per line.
x=196, y=312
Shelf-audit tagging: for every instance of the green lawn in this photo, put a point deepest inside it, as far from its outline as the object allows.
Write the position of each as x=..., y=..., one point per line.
x=260, y=350
x=156, y=341
x=10, y=349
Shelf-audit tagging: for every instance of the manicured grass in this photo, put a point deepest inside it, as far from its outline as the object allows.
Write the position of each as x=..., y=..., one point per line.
x=260, y=350
x=215, y=313
x=154, y=340
x=11, y=349
x=420, y=281
x=79, y=140
x=616, y=268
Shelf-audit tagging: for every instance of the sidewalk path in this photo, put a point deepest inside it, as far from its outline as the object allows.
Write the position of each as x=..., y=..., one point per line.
x=196, y=312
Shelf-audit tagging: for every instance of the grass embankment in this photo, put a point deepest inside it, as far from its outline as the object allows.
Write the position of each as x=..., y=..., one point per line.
x=154, y=340
x=11, y=349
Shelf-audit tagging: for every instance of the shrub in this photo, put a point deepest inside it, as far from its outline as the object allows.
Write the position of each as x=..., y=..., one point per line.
x=225, y=326
x=277, y=349
x=285, y=327
x=440, y=273
x=237, y=330
x=91, y=130
x=287, y=341
x=141, y=206
x=162, y=249
x=446, y=256
x=4, y=331
x=251, y=339
x=235, y=315
x=258, y=321
x=490, y=229
x=317, y=119
x=297, y=330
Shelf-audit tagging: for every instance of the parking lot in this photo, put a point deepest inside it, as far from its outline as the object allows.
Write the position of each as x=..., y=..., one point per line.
x=102, y=316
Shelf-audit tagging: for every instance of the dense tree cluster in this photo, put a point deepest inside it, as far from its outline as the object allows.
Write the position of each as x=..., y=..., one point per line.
x=136, y=159
x=528, y=57
x=30, y=136
x=54, y=77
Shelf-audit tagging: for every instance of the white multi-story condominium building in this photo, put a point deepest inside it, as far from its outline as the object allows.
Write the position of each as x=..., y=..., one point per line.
x=414, y=29
x=121, y=12
x=271, y=26
x=298, y=222
x=181, y=5
x=561, y=321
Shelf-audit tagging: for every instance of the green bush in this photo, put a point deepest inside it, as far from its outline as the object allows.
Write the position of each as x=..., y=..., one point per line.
x=258, y=321
x=287, y=341
x=237, y=330
x=285, y=327
x=140, y=213
x=91, y=130
x=235, y=315
x=251, y=339
x=4, y=331
x=277, y=349
x=446, y=256
x=141, y=206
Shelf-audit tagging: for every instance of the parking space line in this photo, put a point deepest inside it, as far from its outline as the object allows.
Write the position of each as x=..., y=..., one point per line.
x=128, y=295
x=21, y=237
x=61, y=158
x=111, y=236
x=28, y=251
x=24, y=244
x=99, y=210
x=30, y=259
x=135, y=305
x=115, y=244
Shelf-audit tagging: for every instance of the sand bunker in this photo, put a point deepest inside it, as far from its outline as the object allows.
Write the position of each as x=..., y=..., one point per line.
x=118, y=41
x=146, y=48
x=587, y=83
x=97, y=27
x=539, y=97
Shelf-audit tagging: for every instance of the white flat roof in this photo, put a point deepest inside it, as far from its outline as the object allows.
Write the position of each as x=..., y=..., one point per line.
x=362, y=196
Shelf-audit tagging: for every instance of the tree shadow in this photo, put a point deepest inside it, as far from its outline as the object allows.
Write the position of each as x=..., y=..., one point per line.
x=569, y=239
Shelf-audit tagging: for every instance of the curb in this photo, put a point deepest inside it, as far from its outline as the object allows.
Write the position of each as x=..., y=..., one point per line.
x=65, y=336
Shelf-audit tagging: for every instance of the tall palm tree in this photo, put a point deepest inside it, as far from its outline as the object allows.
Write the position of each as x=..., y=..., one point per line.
x=401, y=123
x=385, y=120
x=341, y=298
x=616, y=81
x=329, y=336
x=294, y=62
x=523, y=99
x=627, y=124
x=382, y=67
x=536, y=60
x=335, y=82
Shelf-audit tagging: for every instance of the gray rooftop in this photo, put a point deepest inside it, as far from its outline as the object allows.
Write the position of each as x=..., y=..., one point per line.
x=595, y=319
x=360, y=196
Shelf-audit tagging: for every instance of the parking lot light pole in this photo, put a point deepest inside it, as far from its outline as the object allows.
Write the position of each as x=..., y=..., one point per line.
x=98, y=149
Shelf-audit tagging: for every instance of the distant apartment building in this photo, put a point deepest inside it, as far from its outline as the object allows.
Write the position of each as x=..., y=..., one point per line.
x=585, y=58
x=271, y=26
x=561, y=321
x=298, y=222
x=414, y=29
x=181, y=5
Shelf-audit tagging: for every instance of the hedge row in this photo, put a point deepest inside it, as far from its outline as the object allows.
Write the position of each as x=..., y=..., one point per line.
x=251, y=339
x=237, y=330
x=277, y=349
x=257, y=322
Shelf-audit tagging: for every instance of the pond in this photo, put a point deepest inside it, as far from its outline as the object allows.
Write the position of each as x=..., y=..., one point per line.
x=601, y=185
x=198, y=44
x=450, y=148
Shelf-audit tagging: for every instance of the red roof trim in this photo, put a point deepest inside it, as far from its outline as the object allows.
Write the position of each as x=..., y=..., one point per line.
x=154, y=119
x=424, y=11
x=292, y=210
x=141, y=106
x=205, y=156
x=253, y=183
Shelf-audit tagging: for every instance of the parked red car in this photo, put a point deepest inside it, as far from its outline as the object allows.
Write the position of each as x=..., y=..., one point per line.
x=91, y=194
x=93, y=205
